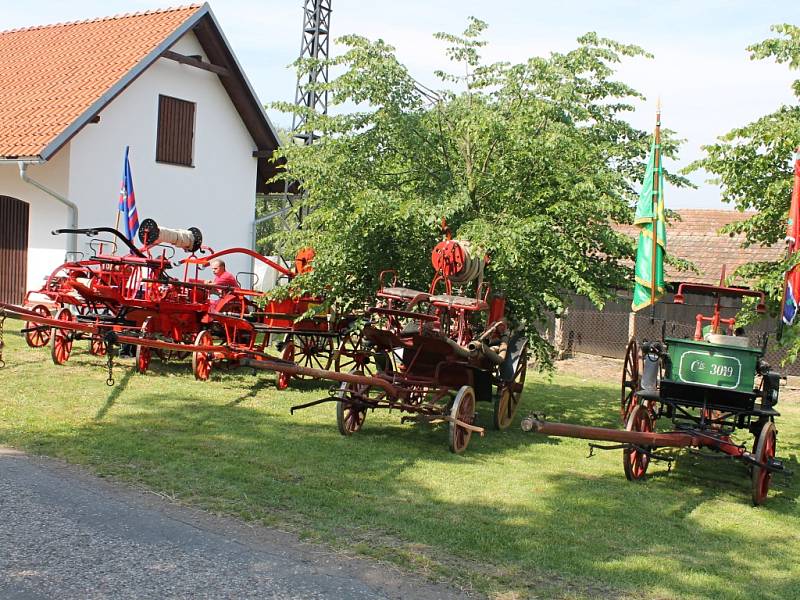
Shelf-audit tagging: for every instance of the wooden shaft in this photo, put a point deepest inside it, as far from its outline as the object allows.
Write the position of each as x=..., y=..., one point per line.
x=124, y=332
x=647, y=439
x=673, y=439
x=270, y=364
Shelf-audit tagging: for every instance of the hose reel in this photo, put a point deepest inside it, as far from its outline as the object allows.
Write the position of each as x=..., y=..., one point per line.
x=457, y=260
x=151, y=234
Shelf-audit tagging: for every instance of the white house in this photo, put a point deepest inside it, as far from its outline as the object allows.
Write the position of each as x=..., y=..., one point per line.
x=74, y=95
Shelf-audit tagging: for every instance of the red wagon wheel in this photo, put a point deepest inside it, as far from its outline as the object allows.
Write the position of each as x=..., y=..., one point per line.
x=350, y=417
x=630, y=380
x=464, y=410
x=313, y=350
x=38, y=335
x=144, y=354
x=636, y=461
x=282, y=379
x=352, y=356
x=238, y=307
x=510, y=394
x=765, y=450
x=96, y=346
x=202, y=361
x=310, y=350
x=61, y=339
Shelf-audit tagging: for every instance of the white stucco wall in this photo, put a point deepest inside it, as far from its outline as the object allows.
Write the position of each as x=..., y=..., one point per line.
x=216, y=194
x=45, y=251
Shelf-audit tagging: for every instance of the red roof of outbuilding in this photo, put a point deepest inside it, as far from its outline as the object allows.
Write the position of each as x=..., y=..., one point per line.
x=695, y=238
x=51, y=75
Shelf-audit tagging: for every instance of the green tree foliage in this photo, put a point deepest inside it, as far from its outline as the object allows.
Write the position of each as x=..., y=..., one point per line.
x=534, y=162
x=752, y=164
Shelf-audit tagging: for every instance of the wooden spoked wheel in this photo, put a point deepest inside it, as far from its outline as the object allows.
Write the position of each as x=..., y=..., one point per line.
x=310, y=350
x=765, y=450
x=630, y=380
x=179, y=336
x=350, y=415
x=171, y=355
x=233, y=305
x=282, y=379
x=510, y=394
x=38, y=335
x=61, y=339
x=352, y=356
x=202, y=361
x=144, y=354
x=636, y=461
x=240, y=308
x=187, y=337
x=313, y=351
x=464, y=410
x=96, y=346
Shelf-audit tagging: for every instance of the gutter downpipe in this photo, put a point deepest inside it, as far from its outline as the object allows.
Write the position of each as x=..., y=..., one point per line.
x=72, y=239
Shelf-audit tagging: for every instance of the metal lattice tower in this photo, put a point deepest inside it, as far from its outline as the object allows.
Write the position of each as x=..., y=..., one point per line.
x=314, y=45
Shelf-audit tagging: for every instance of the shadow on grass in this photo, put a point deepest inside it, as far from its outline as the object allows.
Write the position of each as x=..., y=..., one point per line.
x=640, y=535
x=529, y=510
x=116, y=392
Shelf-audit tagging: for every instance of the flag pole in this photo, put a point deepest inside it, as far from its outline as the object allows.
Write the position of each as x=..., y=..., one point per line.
x=656, y=173
x=116, y=225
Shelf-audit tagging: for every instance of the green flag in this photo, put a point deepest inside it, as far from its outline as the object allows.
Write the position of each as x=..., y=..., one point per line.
x=645, y=291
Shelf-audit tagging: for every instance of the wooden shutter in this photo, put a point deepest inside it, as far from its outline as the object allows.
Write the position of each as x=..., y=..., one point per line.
x=175, y=136
x=13, y=249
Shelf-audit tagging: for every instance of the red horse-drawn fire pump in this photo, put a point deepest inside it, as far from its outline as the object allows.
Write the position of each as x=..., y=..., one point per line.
x=245, y=322
x=131, y=293
x=435, y=353
x=122, y=299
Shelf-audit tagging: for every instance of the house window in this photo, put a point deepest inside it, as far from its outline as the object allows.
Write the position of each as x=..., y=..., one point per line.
x=175, y=136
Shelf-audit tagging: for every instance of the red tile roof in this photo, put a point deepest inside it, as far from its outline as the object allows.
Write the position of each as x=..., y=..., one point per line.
x=695, y=239
x=51, y=75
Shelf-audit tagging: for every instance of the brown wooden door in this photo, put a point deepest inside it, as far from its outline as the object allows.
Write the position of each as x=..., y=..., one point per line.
x=13, y=249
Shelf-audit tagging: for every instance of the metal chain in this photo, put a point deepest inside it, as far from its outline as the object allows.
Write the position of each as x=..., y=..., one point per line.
x=109, y=343
x=2, y=343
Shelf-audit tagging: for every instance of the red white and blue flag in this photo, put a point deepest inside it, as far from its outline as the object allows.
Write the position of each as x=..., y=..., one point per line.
x=791, y=293
x=127, y=201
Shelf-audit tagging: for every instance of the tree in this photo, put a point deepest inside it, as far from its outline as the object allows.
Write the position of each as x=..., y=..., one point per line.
x=533, y=162
x=752, y=165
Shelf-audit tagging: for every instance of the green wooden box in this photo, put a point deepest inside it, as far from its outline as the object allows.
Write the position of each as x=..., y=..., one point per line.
x=720, y=366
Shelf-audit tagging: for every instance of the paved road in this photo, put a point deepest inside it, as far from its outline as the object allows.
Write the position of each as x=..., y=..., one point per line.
x=65, y=534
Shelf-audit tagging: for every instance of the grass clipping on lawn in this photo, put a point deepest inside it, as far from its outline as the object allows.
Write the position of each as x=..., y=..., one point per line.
x=517, y=516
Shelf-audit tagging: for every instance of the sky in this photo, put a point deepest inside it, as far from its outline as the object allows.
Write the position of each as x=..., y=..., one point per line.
x=701, y=70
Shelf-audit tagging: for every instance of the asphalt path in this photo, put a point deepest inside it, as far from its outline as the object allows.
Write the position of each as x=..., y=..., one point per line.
x=67, y=534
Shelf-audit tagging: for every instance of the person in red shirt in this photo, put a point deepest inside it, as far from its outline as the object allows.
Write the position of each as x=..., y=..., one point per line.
x=221, y=276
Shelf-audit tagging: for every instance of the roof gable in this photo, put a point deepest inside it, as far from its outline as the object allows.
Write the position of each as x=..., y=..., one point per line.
x=56, y=78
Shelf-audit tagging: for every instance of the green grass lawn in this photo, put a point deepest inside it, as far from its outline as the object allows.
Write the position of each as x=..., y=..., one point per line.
x=518, y=515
